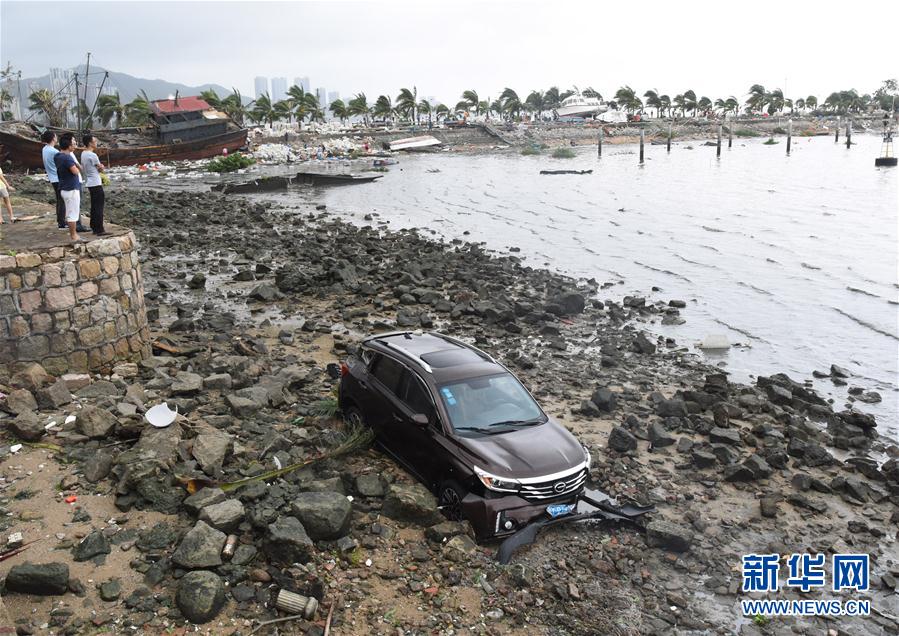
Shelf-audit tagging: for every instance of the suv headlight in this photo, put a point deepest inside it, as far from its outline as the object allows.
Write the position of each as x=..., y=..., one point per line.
x=499, y=484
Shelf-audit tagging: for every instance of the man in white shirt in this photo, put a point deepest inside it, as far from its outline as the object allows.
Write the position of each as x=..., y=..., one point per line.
x=90, y=162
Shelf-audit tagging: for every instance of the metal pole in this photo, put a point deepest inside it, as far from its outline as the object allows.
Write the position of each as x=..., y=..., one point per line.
x=718, y=148
x=789, y=134
x=669, y=136
x=730, y=135
x=836, y=136
x=848, y=133
x=77, y=105
x=599, y=144
x=642, y=135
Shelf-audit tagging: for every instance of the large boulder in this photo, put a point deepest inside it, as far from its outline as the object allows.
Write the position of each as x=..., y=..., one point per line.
x=90, y=546
x=31, y=376
x=411, y=502
x=54, y=395
x=95, y=422
x=200, y=548
x=210, y=450
x=200, y=596
x=19, y=401
x=42, y=579
x=287, y=542
x=664, y=534
x=324, y=515
x=27, y=426
x=621, y=440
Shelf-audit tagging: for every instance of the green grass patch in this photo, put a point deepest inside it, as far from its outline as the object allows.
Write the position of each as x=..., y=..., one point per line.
x=771, y=141
x=778, y=130
x=230, y=163
x=746, y=132
x=563, y=153
x=530, y=150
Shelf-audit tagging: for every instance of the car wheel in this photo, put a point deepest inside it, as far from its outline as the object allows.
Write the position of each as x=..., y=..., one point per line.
x=449, y=499
x=353, y=417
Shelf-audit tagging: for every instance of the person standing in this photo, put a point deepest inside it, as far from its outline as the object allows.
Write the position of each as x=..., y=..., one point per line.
x=5, y=189
x=47, y=153
x=90, y=162
x=69, y=184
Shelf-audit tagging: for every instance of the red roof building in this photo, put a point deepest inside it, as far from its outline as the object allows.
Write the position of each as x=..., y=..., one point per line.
x=180, y=105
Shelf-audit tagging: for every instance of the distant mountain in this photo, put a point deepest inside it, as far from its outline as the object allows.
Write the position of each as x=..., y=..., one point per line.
x=128, y=86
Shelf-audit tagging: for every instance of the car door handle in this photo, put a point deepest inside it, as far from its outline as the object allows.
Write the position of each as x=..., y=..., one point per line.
x=364, y=385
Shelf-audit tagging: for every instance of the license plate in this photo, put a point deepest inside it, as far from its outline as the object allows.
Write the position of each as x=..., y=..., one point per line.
x=558, y=510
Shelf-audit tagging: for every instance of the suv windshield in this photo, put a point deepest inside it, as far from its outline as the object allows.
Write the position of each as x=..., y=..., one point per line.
x=490, y=404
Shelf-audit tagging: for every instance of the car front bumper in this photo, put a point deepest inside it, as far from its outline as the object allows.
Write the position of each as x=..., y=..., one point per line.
x=496, y=517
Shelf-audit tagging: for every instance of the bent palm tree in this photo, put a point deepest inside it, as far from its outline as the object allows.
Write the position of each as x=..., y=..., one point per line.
x=383, y=109
x=510, y=103
x=339, y=110
x=407, y=102
x=233, y=106
x=359, y=106
x=109, y=107
x=211, y=98
x=757, y=99
x=424, y=107
x=41, y=101
x=263, y=110
x=536, y=103
x=137, y=111
x=441, y=111
x=474, y=103
x=653, y=101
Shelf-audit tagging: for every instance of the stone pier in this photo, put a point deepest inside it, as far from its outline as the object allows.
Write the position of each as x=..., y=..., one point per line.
x=70, y=307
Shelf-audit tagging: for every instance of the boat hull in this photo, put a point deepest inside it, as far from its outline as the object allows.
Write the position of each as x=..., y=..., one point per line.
x=27, y=152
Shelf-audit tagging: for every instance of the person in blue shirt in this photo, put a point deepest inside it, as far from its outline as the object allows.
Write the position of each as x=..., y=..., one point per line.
x=69, y=175
x=48, y=152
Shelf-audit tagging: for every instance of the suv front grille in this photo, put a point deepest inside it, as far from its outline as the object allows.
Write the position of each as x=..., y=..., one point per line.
x=555, y=488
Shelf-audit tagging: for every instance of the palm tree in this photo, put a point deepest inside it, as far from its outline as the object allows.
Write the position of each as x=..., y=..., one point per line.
x=484, y=107
x=665, y=104
x=690, y=102
x=5, y=103
x=705, y=105
x=799, y=104
x=591, y=92
x=339, y=109
x=727, y=105
x=233, y=106
x=109, y=107
x=653, y=101
x=211, y=98
x=625, y=97
x=263, y=110
x=359, y=106
x=407, y=102
x=510, y=103
x=137, y=111
x=461, y=107
x=811, y=102
x=283, y=109
x=383, y=109
x=536, y=102
x=758, y=97
x=474, y=103
x=41, y=101
x=441, y=111
x=552, y=99
x=679, y=103
x=424, y=106
x=775, y=101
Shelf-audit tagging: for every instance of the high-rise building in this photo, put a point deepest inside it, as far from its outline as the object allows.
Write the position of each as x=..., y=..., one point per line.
x=302, y=82
x=279, y=88
x=333, y=96
x=260, y=84
x=322, y=96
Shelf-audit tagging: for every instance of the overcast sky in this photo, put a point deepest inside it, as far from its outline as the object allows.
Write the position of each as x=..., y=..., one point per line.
x=446, y=47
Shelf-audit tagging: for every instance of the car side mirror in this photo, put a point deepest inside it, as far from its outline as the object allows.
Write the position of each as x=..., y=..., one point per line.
x=421, y=419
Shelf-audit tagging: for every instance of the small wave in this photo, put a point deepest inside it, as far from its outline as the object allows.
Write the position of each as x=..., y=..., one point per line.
x=663, y=271
x=744, y=332
x=712, y=229
x=559, y=207
x=866, y=324
x=861, y=291
x=754, y=288
x=807, y=266
x=709, y=247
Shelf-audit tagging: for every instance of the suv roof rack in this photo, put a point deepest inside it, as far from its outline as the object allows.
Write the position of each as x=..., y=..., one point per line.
x=409, y=354
x=418, y=360
x=462, y=343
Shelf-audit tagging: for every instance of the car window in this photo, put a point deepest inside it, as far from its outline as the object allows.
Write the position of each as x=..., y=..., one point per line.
x=390, y=373
x=477, y=403
x=416, y=396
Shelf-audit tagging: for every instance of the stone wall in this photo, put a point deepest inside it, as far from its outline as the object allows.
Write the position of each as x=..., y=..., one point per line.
x=74, y=308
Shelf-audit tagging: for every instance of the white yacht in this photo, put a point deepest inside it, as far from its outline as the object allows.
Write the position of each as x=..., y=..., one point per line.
x=579, y=106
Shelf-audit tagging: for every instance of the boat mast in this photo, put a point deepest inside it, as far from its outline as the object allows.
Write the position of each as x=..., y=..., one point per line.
x=77, y=105
x=87, y=81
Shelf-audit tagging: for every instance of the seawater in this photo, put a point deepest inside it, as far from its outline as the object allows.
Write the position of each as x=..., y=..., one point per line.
x=793, y=258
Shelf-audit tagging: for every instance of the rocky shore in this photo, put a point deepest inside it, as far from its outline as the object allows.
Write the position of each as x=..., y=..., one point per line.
x=250, y=302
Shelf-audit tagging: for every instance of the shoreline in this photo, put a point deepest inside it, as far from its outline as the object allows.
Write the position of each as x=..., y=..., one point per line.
x=227, y=277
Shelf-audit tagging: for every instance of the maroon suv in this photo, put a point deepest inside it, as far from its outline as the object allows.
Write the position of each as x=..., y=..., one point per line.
x=466, y=427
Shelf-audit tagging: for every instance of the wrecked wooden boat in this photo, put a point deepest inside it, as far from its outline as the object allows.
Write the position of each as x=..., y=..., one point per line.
x=318, y=178
x=413, y=143
x=181, y=128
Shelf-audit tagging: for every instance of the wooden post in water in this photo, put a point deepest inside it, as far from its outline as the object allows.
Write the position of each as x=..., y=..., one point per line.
x=669, y=136
x=718, y=149
x=730, y=135
x=848, y=133
x=836, y=135
x=642, y=135
x=599, y=144
x=789, y=134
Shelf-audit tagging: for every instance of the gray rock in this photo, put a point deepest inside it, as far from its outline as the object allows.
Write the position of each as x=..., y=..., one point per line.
x=200, y=596
x=725, y=436
x=411, y=502
x=110, y=590
x=642, y=344
x=324, y=515
x=738, y=472
x=32, y=377
x=664, y=534
x=459, y=548
x=445, y=530
x=218, y=382
x=200, y=548
x=768, y=507
x=244, y=554
x=674, y=407
x=90, y=546
x=98, y=467
x=42, y=579
x=287, y=542
x=659, y=436
x=204, y=497
x=27, y=426
x=95, y=422
x=621, y=440
x=370, y=485
x=758, y=466
x=187, y=384
x=779, y=395
x=19, y=401
x=605, y=400
x=703, y=459
x=54, y=396
x=224, y=516
x=99, y=389
x=159, y=537
x=839, y=372
x=241, y=406
x=210, y=450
